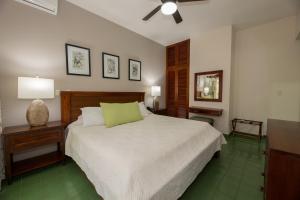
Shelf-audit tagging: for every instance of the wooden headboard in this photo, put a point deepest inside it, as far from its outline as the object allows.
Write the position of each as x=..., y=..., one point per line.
x=72, y=101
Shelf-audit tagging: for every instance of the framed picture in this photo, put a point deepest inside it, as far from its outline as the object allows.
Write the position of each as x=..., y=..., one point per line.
x=208, y=86
x=135, y=70
x=78, y=60
x=110, y=66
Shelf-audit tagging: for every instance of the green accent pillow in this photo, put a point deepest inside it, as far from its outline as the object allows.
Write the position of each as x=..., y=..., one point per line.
x=120, y=113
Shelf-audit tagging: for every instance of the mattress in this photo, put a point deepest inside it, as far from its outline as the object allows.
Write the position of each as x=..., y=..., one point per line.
x=153, y=159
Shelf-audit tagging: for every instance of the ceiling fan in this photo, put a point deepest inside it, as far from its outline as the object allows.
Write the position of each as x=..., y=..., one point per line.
x=169, y=7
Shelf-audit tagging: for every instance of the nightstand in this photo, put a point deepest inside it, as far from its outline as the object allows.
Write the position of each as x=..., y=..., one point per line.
x=18, y=139
x=158, y=112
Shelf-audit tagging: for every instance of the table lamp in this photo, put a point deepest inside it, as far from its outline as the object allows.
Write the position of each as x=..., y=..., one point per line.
x=36, y=88
x=155, y=92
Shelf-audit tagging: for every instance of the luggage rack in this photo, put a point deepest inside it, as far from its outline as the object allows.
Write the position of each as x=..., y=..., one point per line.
x=245, y=121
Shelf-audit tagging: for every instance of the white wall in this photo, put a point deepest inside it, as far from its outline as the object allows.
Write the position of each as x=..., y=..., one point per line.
x=212, y=51
x=32, y=43
x=298, y=26
x=266, y=72
x=261, y=71
x=1, y=151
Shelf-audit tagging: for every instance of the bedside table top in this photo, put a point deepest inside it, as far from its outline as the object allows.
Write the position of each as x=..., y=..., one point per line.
x=27, y=128
x=159, y=110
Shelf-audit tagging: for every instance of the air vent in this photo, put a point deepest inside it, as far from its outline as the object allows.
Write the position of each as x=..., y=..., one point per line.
x=49, y=6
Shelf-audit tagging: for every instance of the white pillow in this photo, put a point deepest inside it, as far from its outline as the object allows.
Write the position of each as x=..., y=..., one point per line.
x=144, y=111
x=79, y=121
x=92, y=116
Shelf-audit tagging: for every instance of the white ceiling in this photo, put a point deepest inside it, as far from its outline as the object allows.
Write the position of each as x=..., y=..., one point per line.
x=197, y=16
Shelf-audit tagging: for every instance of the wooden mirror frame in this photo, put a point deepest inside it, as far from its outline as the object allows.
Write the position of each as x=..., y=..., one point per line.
x=220, y=74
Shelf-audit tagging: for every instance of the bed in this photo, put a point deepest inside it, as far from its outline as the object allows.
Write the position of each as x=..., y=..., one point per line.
x=156, y=158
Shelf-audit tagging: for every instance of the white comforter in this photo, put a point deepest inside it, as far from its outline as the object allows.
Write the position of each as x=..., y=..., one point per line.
x=156, y=158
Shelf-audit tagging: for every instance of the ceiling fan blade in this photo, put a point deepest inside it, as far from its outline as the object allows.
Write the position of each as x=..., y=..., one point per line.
x=177, y=17
x=153, y=12
x=182, y=1
x=164, y=1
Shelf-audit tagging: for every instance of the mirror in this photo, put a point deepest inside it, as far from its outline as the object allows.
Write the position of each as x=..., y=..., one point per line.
x=208, y=86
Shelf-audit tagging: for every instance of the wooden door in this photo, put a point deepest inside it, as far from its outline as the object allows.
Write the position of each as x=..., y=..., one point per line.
x=171, y=93
x=182, y=93
x=178, y=61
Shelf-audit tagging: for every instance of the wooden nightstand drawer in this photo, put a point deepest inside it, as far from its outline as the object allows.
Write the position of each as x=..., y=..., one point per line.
x=31, y=140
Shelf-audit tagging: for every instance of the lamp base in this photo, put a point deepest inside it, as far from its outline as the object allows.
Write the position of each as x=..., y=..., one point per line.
x=37, y=113
x=155, y=104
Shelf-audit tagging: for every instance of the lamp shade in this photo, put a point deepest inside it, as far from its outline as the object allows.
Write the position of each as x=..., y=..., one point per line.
x=35, y=88
x=155, y=91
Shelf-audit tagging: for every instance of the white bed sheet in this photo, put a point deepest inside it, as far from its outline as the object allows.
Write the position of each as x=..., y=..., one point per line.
x=153, y=159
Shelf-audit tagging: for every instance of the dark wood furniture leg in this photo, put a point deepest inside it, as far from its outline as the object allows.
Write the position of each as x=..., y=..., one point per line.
x=260, y=132
x=8, y=167
x=233, y=126
x=7, y=160
x=217, y=154
x=61, y=149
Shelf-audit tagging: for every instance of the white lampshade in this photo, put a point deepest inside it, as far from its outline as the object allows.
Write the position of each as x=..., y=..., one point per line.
x=155, y=91
x=35, y=88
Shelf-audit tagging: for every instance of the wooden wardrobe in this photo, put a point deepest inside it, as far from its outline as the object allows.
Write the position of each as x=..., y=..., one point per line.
x=177, y=79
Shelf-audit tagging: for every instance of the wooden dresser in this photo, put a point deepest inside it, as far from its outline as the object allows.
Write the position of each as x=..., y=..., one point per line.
x=282, y=170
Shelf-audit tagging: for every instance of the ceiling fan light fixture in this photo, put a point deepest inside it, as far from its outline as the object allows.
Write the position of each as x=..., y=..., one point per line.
x=169, y=8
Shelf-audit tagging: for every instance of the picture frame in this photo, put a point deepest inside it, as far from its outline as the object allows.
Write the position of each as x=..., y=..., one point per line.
x=78, y=60
x=110, y=66
x=134, y=70
x=208, y=86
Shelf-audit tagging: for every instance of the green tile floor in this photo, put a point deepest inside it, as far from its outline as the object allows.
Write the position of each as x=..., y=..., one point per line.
x=236, y=175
